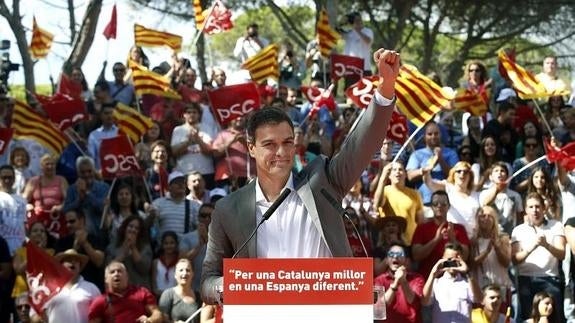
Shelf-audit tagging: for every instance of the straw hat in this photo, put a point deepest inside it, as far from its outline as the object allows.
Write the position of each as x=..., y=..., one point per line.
x=72, y=254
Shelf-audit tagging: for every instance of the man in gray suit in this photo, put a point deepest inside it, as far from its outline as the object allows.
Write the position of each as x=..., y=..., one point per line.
x=308, y=224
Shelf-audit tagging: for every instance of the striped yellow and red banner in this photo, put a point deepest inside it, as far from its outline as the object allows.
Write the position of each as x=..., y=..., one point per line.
x=264, y=64
x=148, y=82
x=523, y=81
x=470, y=101
x=41, y=41
x=327, y=36
x=418, y=97
x=28, y=124
x=130, y=122
x=198, y=14
x=152, y=38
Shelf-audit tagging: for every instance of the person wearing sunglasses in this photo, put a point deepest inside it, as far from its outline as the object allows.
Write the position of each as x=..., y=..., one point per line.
x=403, y=287
x=430, y=238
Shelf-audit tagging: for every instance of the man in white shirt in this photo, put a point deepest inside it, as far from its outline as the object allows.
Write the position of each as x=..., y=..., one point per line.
x=308, y=224
x=250, y=44
x=358, y=42
x=72, y=303
x=12, y=210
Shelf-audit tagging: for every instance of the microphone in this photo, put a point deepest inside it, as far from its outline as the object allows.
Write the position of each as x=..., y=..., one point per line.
x=338, y=207
x=265, y=217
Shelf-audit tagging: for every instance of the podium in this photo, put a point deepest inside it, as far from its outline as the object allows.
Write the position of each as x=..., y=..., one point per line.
x=298, y=290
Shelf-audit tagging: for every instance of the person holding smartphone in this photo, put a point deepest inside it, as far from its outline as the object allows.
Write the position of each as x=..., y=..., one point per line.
x=449, y=291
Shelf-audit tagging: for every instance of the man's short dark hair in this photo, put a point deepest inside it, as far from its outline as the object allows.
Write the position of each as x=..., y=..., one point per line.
x=102, y=85
x=505, y=106
x=7, y=167
x=493, y=287
x=454, y=246
x=266, y=116
x=440, y=193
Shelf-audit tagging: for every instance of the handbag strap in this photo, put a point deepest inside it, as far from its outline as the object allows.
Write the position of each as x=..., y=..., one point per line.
x=187, y=216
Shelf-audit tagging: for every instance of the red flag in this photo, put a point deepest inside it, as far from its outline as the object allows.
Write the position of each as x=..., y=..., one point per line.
x=362, y=91
x=112, y=26
x=117, y=158
x=344, y=66
x=44, y=275
x=63, y=110
x=398, y=130
x=311, y=93
x=565, y=155
x=324, y=100
x=219, y=20
x=234, y=101
x=5, y=137
x=69, y=87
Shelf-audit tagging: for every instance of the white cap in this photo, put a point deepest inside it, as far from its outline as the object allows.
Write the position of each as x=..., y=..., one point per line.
x=505, y=94
x=175, y=175
x=218, y=191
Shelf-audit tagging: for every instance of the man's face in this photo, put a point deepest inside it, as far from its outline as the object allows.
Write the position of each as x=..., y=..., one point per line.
x=177, y=187
x=196, y=183
x=534, y=210
x=192, y=116
x=73, y=223
x=116, y=277
x=119, y=71
x=274, y=150
x=86, y=172
x=491, y=301
x=550, y=66
x=509, y=116
x=107, y=116
x=498, y=174
x=72, y=265
x=432, y=135
x=440, y=206
x=396, y=258
x=220, y=77
x=291, y=97
x=7, y=179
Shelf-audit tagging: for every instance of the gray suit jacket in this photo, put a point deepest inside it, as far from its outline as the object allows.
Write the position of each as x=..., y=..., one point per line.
x=234, y=217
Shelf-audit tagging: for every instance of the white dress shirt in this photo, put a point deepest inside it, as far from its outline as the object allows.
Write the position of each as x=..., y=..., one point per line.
x=289, y=232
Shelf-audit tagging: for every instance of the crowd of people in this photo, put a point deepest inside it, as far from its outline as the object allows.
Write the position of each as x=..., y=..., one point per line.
x=456, y=234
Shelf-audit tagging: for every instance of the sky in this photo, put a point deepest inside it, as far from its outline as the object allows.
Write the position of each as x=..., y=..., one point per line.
x=55, y=20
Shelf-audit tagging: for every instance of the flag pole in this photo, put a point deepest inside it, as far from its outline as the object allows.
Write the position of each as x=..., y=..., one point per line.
x=543, y=117
x=408, y=141
x=200, y=31
x=522, y=169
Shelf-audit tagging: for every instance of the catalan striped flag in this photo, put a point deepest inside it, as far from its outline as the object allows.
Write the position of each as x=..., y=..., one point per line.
x=148, y=82
x=199, y=14
x=28, y=124
x=523, y=81
x=327, y=36
x=152, y=38
x=131, y=123
x=418, y=97
x=470, y=101
x=264, y=64
x=41, y=41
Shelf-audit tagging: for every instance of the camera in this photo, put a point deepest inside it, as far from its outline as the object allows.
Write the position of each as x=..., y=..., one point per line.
x=450, y=263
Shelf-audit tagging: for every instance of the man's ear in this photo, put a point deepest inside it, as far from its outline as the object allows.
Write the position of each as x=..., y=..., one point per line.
x=252, y=149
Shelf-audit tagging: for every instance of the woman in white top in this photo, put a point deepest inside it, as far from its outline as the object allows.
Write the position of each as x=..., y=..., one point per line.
x=459, y=186
x=164, y=267
x=491, y=251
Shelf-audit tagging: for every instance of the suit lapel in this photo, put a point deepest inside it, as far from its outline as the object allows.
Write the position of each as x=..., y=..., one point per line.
x=305, y=193
x=248, y=224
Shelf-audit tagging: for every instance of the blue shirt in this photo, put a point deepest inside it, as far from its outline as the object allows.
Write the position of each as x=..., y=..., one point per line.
x=92, y=204
x=95, y=140
x=122, y=92
x=419, y=159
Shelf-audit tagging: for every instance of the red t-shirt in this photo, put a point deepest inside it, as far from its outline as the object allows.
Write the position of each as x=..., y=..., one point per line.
x=426, y=232
x=127, y=308
x=400, y=310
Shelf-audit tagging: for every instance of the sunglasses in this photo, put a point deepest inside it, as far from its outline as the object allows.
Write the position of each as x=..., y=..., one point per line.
x=530, y=145
x=462, y=171
x=395, y=254
x=23, y=307
x=205, y=215
x=5, y=178
x=119, y=69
